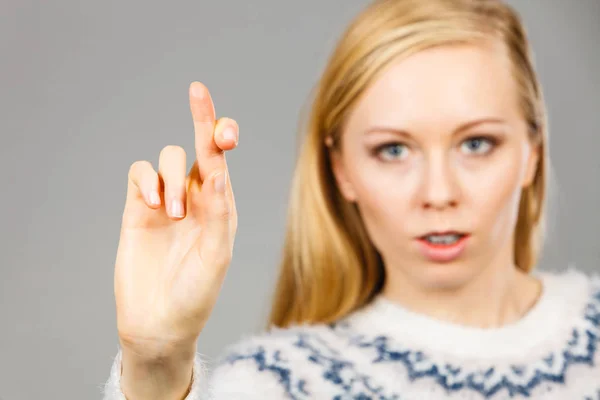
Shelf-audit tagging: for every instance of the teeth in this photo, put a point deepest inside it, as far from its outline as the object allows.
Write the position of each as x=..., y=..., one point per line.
x=442, y=239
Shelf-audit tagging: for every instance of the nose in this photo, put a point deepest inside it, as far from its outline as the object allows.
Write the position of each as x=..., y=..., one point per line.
x=440, y=187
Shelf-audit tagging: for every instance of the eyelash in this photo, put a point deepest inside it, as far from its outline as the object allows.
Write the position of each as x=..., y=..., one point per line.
x=492, y=141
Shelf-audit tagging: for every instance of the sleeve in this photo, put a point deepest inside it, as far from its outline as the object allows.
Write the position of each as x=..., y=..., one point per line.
x=198, y=391
x=227, y=382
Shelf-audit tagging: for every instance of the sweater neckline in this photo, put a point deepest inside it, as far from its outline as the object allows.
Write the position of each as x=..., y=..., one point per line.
x=563, y=299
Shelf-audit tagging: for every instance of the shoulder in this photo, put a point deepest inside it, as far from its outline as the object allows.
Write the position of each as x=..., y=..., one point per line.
x=275, y=364
x=574, y=283
x=579, y=356
x=573, y=297
x=574, y=302
x=588, y=285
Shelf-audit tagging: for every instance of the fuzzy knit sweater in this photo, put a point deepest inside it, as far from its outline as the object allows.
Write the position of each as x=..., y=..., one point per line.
x=386, y=352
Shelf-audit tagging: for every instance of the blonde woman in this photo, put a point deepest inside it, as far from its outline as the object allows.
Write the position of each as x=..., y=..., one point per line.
x=414, y=228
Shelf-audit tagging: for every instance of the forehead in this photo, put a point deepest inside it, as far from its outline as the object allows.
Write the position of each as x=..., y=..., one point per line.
x=449, y=83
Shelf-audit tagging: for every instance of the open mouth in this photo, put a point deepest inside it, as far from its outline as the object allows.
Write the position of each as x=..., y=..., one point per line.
x=443, y=247
x=443, y=239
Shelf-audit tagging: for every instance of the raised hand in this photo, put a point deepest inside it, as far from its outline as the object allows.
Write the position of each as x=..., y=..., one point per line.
x=177, y=237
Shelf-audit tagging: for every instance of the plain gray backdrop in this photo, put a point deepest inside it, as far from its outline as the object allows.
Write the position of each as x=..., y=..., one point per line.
x=86, y=88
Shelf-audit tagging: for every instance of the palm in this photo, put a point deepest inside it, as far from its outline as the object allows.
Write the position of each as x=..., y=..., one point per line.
x=157, y=275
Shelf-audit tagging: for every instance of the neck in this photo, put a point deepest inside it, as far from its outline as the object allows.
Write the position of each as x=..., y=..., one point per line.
x=499, y=295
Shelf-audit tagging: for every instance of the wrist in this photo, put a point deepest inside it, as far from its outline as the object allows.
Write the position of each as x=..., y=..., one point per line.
x=157, y=373
x=156, y=351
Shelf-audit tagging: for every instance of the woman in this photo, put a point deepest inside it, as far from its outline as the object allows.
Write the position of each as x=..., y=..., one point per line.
x=414, y=228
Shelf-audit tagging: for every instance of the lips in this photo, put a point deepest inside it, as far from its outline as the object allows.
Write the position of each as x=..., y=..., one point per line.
x=442, y=246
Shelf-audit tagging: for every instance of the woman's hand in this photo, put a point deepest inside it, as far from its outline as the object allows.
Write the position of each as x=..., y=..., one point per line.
x=176, y=239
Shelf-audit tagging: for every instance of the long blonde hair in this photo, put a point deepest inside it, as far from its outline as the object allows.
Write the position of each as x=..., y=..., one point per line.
x=329, y=266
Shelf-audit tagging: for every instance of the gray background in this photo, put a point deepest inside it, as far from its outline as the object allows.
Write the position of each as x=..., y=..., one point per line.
x=86, y=88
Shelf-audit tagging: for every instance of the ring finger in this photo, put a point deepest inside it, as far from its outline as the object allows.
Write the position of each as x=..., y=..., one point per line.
x=172, y=171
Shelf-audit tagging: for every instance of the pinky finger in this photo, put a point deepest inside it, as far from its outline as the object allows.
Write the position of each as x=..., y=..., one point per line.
x=145, y=181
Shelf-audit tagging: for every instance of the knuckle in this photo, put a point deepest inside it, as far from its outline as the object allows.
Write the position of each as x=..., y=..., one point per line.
x=222, y=212
x=228, y=121
x=222, y=215
x=204, y=116
x=172, y=150
x=137, y=168
x=171, y=163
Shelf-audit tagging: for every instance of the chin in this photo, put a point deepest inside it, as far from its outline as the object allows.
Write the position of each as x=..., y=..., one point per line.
x=447, y=276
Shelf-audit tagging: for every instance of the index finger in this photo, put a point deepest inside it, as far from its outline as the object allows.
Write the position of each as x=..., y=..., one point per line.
x=209, y=156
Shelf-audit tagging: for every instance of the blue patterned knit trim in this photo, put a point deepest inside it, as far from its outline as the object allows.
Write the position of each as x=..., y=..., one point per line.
x=341, y=373
x=580, y=349
x=271, y=361
x=338, y=372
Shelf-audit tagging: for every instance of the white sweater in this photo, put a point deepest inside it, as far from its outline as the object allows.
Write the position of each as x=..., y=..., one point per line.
x=385, y=352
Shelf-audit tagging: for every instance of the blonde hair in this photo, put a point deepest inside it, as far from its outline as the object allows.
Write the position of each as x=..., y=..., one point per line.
x=329, y=266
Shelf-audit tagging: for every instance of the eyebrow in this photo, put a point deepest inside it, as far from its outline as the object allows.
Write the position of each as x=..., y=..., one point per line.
x=463, y=127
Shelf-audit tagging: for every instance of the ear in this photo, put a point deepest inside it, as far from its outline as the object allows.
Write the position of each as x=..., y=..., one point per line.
x=341, y=175
x=533, y=160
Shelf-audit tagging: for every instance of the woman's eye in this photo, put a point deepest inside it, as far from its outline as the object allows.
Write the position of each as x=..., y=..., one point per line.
x=477, y=145
x=392, y=151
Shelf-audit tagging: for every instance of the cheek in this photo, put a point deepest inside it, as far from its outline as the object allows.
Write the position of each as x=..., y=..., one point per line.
x=384, y=198
x=494, y=191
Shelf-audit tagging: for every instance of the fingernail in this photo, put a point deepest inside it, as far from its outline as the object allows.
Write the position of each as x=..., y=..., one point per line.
x=176, y=208
x=229, y=134
x=219, y=182
x=154, y=198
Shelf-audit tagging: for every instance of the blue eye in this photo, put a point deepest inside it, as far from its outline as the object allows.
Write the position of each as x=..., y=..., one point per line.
x=392, y=151
x=477, y=145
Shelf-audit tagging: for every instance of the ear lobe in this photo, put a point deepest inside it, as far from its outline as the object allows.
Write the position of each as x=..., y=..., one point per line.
x=339, y=172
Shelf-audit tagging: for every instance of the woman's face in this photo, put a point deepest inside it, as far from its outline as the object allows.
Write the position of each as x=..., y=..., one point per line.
x=438, y=146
